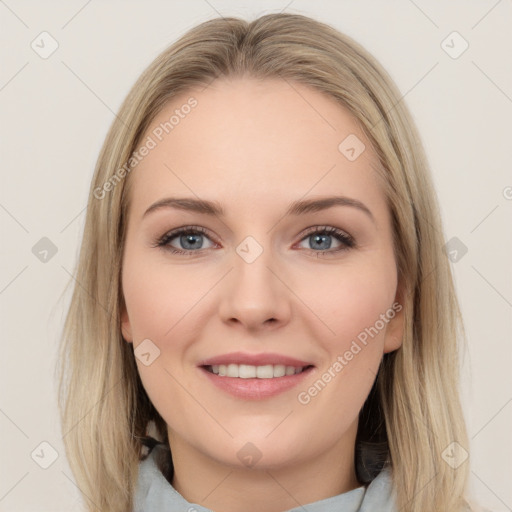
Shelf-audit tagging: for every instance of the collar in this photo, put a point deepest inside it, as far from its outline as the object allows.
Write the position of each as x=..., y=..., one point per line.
x=155, y=493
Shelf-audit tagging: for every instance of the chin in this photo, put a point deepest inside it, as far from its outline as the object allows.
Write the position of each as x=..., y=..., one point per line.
x=259, y=452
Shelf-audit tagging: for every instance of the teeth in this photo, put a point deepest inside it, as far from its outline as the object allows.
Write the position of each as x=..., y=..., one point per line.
x=232, y=371
x=279, y=370
x=247, y=371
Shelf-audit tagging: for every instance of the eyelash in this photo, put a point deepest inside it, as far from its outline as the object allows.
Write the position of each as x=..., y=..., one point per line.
x=347, y=241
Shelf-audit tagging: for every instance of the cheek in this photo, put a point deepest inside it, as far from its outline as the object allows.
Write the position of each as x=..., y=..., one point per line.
x=159, y=298
x=351, y=306
x=160, y=302
x=350, y=300
x=168, y=305
x=335, y=303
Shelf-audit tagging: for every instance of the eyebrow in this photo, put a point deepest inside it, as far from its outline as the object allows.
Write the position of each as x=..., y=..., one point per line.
x=299, y=207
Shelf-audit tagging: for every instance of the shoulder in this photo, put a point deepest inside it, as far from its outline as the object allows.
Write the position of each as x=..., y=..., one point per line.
x=380, y=495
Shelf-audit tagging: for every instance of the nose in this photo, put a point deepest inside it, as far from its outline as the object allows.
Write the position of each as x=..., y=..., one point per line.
x=254, y=293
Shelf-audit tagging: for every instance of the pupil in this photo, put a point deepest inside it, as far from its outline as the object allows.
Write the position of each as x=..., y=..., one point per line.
x=190, y=239
x=319, y=238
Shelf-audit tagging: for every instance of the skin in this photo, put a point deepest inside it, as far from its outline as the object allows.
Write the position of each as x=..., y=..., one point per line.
x=256, y=146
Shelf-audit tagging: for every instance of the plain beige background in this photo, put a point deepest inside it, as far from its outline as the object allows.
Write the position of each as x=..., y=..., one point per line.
x=55, y=113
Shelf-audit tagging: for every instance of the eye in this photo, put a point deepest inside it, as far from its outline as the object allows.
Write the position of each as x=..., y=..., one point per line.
x=190, y=237
x=320, y=238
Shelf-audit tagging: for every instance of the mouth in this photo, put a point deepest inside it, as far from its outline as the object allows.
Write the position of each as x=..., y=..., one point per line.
x=247, y=371
x=254, y=376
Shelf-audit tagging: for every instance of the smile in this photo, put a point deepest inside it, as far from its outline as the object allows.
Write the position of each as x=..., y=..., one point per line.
x=254, y=376
x=247, y=371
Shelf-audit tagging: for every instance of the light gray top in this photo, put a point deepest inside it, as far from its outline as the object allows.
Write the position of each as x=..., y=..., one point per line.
x=155, y=494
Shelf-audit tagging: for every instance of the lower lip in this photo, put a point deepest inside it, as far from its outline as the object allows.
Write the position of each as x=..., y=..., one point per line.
x=256, y=389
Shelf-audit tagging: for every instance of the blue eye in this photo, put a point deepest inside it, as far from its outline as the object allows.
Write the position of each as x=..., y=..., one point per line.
x=191, y=239
x=320, y=238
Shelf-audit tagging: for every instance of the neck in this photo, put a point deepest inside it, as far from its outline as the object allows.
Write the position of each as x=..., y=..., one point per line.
x=207, y=482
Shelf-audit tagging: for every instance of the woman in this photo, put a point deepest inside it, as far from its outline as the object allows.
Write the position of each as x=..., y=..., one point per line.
x=213, y=358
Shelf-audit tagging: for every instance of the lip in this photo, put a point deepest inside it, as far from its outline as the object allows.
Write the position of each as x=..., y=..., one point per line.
x=254, y=359
x=255, y=389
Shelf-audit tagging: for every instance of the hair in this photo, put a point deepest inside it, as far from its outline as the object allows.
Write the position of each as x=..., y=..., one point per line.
x=413, y=412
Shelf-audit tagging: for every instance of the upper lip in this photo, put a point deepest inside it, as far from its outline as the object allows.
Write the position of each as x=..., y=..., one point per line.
x=254, y=359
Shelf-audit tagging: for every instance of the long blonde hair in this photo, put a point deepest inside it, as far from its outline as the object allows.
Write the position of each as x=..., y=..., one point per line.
x=105, y=410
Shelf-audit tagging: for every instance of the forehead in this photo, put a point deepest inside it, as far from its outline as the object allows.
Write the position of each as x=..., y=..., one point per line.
x=252, y=142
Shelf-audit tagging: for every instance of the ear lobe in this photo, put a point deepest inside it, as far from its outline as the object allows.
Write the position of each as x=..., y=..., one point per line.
x=126, y=328
x=396, y=326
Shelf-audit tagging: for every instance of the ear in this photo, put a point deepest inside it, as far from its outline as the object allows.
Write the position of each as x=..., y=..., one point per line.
x=396, y=325
x=126, y=328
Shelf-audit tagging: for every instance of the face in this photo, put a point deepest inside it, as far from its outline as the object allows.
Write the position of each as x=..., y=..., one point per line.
x=259, y=288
